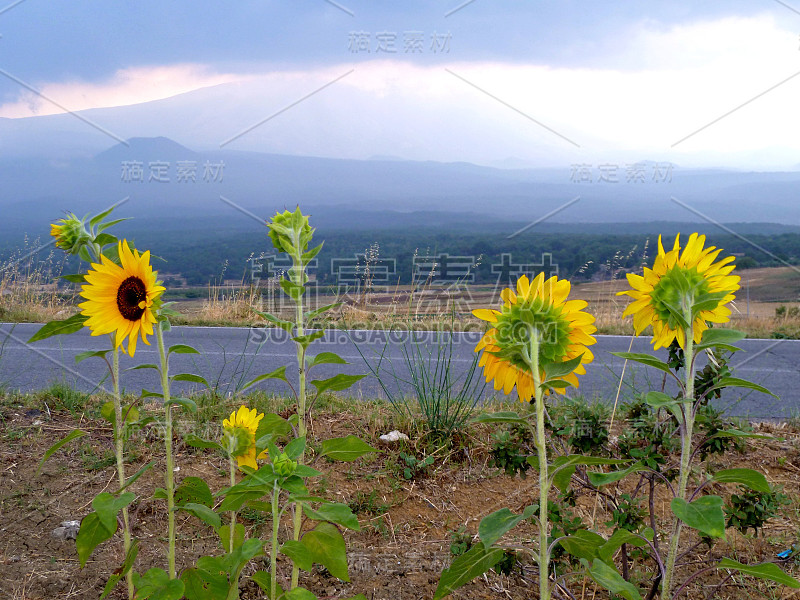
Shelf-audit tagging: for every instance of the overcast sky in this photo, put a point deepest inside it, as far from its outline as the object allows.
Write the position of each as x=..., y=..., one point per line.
x=700, y=84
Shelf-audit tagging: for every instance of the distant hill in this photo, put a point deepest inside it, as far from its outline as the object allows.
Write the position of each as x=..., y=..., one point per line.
x=163, y=178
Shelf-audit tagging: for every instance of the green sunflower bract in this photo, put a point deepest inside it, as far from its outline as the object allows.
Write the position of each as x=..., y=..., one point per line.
x=682, y=290
x=563, y=328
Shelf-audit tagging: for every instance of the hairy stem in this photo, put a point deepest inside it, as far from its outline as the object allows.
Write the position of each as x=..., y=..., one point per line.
x=297, y=273
x=273, y=555
x=232, y=535
x=119, y=450
x=686, y=455
x=544, y=476
x=170, y=473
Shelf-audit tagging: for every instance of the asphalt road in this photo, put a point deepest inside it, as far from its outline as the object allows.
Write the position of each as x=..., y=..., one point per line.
x=231, y=356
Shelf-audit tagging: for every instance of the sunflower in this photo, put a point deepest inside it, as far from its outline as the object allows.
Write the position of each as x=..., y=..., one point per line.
x=241, y=427
x=562, y=329
x=682, y=290
x=119, y=299
x=69, y=233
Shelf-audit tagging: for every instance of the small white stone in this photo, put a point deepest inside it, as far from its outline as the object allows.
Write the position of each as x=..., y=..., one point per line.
x=393, y=436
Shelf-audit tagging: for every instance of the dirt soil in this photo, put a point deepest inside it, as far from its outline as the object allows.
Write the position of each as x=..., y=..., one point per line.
x=406, y=524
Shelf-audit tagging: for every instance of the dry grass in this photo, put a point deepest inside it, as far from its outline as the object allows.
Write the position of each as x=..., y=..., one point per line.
x=28, y=294
x=29, y=291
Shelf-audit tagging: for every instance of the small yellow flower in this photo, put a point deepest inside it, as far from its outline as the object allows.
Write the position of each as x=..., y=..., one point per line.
x=241, y=427
x=119, y=299
x=563, y=329
x=682, y=289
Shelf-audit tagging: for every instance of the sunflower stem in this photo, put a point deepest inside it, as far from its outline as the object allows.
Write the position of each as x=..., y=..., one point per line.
x=686, y=453
x=119, y=450
x=544, y=476
x=273, y=555
x=170, y=474
x=297, y=275
x=232, y=468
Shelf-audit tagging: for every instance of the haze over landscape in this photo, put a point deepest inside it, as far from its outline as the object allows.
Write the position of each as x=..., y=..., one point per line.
x=473, y=112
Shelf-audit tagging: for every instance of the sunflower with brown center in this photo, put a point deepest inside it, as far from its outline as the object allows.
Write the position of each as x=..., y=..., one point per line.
x=119, y=298
x=538, y=309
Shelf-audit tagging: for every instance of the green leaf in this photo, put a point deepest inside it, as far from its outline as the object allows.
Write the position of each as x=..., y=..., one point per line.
x=144, y=366
x=104, y=226
x=206, y=583
x=569, y=460
x=619, y=537
x=224, y=534
x=336, y=383
x=325, y=358
x=184, y=403
x=241, y=555
x=608, y=577
x=717, y=336
x=476, y=561
x=182, y=349
x=583, y=544
x=317, y=312
x=300, y=555
x=561, y=369
x=299, y=593
x=264, y=580
x=72, y=435
x=74, y=278
x=65, y=327
x=104, y=239
x=79, y=358
x=100, y=216
x=735, y=433
x=768, y=571
x=327, y=547
x=645, y=359
x=136, y=475
x=661, y=400
x=107, y=507
x=197, y=442
x=119, y=573
x=555, y=384
x=91, y=534
x=202, y=512
x=306, y=340
x=346, y=449
x=194, y=489
x=334, y=512
x=500, y=417
x=494, y=526
x=156, y=585
x=748, y=477
x=294, y=485
x=560, y=478
x=292, y=290
x=279, y=373
x=287, y=326
x=190, y=377
x=726, y=382
x=272, y=424
x=598, y=479
x=252, y=487
x=130, y=414
x=704, y=514
x=296, y=447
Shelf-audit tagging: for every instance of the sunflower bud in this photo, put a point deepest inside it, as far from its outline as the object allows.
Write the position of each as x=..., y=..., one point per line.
x=284, y=466
x=70, y=234
x=290, y=232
